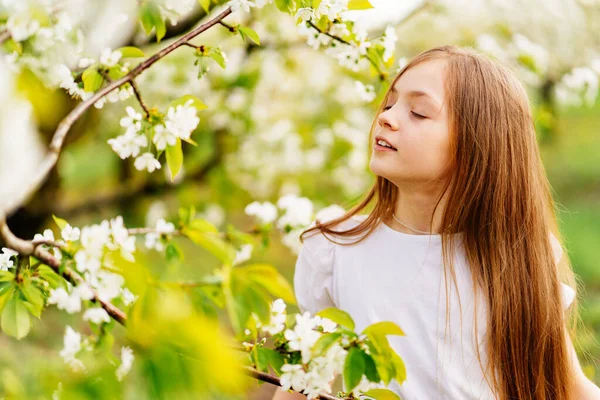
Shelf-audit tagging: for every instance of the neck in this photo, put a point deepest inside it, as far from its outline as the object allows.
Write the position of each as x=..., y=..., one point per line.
x=415, y=209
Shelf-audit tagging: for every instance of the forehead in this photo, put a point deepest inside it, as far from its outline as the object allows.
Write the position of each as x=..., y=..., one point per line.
x=424, y=80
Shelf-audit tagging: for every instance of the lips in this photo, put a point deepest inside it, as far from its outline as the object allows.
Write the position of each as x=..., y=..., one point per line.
x=379, y=137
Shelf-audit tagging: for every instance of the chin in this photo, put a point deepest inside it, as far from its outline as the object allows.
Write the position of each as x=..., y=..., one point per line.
x=378, y=169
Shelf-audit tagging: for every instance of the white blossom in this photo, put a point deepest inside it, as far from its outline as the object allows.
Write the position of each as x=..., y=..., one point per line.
x=303, y=336
x=85, y=261
x=152, y=241
x=5, y=261
x=164, y=227
x=182, y=120
x=127, y=296
x=305, y=14
x=96, y=315
x=107, y=284
x=266, y=212
x=70, y=301
x=243, y=254
x=72, y=346
x=133, y=120
x=146, y=162
x=389, y=42
x=277, y=320
x=21, y=26
x=244, y=5
x=128, y=145
x=110, y=58
x=163, y=137
x=298, y=211
x=127, y=358
x=365, y=92
x=293, y=377
x=47, y=235
x=70, y=234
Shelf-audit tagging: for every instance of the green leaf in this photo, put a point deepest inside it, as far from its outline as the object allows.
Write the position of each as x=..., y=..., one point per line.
x=338, y=316
x=61, y=223
x=370, y=368
x=130, y=52
x=195, y=102
x=382, y=394
x=205, y=4
x=211, y=242
x=325, y=342
x=6, y=291
x=399, y=366
x=172, y=252
x=34, y=296
x=274, y=359
x=174, y=158
x=48, y=274
x=6, y=276
x=384, y=328
x=286, y=6
x=250, y=33
x=151, y=17
x=270, y=279
x=359, y=5
x=92, y=80
x=15, y=318
x=354, y=367
x=217, y=55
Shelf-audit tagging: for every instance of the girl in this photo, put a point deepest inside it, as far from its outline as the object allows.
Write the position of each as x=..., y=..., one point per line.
x=461, y=247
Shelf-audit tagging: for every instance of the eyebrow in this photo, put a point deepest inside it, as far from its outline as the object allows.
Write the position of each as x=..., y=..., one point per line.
x=417, y=93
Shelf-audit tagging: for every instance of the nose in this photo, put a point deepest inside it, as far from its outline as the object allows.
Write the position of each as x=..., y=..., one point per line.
x=386, y=120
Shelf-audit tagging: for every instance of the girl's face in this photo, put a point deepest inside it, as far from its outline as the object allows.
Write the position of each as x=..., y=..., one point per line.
x=415, y=123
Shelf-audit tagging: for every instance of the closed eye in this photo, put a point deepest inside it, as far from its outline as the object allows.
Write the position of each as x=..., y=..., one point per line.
x=418, y=116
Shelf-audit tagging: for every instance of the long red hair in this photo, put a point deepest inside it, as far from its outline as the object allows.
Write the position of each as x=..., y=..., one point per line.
x=500, y=199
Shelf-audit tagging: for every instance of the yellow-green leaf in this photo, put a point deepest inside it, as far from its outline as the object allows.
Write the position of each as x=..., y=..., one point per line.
x=205, y=4
x=384, y=328
x=354, y=367
x=193, y=101
x=6, y=276
x=130, y=52
x=60, y=222
x=92, y=80
x=382, y=394
x=359, y=5
x=15, y=318
x=174, y=158
x=270, y=279
x=211, y=242
x=338, y=316
x=250, y=33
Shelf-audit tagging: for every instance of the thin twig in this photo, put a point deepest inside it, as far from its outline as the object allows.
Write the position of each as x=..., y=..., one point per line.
x=27, y=248
x=273, y=380
x=138, y=96
x=51, y=157
x=381, y=74
x=4, y=36
x=226, y=25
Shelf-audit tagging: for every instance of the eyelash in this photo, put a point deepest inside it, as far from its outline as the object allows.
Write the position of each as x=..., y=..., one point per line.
x=418, y=116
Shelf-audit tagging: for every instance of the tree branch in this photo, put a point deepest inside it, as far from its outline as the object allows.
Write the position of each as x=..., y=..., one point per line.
x=4, y=36
x=27, y=248
x=51, y=158
x=273, y=380
x=138, y=96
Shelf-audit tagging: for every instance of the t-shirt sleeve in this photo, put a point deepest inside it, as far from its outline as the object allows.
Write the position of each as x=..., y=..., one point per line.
x=567, y=292
x=313, y=277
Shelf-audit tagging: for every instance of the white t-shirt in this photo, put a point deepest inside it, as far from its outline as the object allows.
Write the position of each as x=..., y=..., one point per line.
x=394, y=276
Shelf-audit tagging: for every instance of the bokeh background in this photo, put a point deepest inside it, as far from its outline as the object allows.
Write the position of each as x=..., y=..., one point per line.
x=285, y=118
